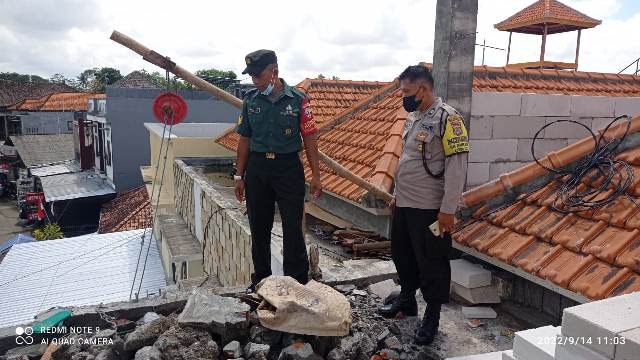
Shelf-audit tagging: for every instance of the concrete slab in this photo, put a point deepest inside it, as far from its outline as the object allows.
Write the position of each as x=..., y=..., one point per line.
x=488, y=356
x=468, y=274
x=627, y=106
x=478, y=312
x=545, y=105
x=567, y=130
x=566, y=351
x=628, y=347
x=536, y=344
x=477, y=173
x=360, y=272
x=517, y=127
x=496, y=104
x=603, y=321
x=594, y=106
x=383, y=288
x=481, y=127
x=479, y=295
x=493, y=150
x=508, y=355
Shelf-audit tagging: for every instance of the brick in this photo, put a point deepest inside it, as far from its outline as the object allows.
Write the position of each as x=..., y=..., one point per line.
x=481, y=127
x=517, y=127
x=536, y=344
x=479, y=295
x=567, y=351
x=468, y=274
x=542, y=148
x=495, y=104
x=493, y=150
x=627, y=106
x=594, y=106
x=631, y=348
x=478, y=312
x=477, y=173
x=567, y=130
x=499, y=168
x=488, y=356
x=545, y=105
x=603, y=319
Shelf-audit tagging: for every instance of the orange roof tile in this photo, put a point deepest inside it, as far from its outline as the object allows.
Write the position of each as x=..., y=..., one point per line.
x=557, y=16
x=130, y=210
x=595, y=253
x=76, y=101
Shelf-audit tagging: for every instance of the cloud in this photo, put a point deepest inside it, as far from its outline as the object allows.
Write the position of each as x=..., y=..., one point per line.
x=358, y=40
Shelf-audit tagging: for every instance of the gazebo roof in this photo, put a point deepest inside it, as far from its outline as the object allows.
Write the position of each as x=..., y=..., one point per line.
x=557, y=16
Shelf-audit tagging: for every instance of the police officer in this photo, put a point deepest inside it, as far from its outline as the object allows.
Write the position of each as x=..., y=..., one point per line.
x=429, y=181
x=276, y=120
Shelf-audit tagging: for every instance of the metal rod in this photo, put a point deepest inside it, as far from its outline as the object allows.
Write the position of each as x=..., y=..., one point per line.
x=578, y=48
x=509, y=47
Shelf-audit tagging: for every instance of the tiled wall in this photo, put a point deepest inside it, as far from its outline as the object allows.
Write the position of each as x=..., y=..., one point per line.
x=225, y=236
x=502, y=127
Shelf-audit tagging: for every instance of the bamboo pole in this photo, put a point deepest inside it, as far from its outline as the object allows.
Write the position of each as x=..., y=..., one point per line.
x=167, y=64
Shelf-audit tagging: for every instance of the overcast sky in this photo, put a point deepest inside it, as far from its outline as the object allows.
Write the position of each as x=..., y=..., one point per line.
x=357, y=40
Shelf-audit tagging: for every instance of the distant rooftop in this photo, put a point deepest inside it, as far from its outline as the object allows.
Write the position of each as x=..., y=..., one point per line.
x=37, y=150
x=13, y=92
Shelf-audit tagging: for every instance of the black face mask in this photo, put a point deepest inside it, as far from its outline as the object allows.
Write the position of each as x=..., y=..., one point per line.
x=410, y=103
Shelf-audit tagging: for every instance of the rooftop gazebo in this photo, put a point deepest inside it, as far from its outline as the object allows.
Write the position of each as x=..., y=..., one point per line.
x=546, y=17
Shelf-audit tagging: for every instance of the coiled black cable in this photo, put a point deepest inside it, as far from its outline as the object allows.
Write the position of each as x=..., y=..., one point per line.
x=616, y=176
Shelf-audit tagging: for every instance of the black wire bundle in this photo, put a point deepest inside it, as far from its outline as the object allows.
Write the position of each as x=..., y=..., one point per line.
x=604, y=178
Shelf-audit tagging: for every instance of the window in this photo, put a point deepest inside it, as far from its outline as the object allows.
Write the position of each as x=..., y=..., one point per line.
x=70, y=125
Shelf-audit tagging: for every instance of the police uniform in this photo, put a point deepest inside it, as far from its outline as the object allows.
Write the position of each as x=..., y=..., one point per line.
x=430, y=178
x=274, y=173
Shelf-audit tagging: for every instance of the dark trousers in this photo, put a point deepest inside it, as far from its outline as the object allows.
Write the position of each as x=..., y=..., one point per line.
x=421, y=258
x=268, y=181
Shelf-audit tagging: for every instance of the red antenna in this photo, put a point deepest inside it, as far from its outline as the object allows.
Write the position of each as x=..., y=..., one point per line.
x=170, y=108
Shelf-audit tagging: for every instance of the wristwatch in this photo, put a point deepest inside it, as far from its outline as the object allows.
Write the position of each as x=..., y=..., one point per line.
x=238, y=177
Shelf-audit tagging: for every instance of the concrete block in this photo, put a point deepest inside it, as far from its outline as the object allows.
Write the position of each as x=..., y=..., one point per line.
x=479, y=295
x=488, y=356
x=542, y=148
x=496, y=104
x=508, y=355
x=594, y=106
x=536, y=344
x=499, y=168
x=567, y=351
x=481, y=127
x=477, y=173
x=628, y=347
x=572, y=141
x=627, y=106
x=493, y=150
x=567, y=130
x=478, y=312
x=517, y=127
x=468, y=274
x=602, y=321
x=383, y=288
x=545, y=105
x=600, y=123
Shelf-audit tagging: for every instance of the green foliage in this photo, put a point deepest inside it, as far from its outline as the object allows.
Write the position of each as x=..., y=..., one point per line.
x=13, y=76
x=105, y=76
x=48, y=232
x=221, y=78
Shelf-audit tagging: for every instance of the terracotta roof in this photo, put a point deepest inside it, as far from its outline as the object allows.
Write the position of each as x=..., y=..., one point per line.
x=13, y=92
x=64, y=101
x=328, y=98
x=137, y=80
x=595, y=253
x=130, y=210
x=557, y=16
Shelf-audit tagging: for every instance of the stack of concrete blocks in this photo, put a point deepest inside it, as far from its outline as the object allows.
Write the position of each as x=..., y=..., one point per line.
x=220, y=225
x=473, y=283
x=502, y=127
x=601, y=330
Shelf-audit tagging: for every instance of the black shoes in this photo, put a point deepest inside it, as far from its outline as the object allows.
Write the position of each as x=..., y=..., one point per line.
x=404, y=304
x=251, y=289
x=428, y=329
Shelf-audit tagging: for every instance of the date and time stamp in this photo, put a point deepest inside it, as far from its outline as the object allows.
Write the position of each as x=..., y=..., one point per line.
x=581, y=340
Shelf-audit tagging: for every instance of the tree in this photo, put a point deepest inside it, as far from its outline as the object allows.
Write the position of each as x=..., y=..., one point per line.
x=13, y=76
x=48, y=232
x=105, y=76
x=86, y=79
x=320, y=77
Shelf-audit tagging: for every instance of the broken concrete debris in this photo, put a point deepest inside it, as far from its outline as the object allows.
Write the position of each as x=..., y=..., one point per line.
x=256, y=351
x=384, y=288
x=232, y=350
x=473, y=283
x=478, y=312
x=299, y=351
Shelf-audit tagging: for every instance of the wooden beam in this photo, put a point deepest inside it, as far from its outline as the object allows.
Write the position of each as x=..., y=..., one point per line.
x=509, y=47
x=578, y=48
x=544, y=42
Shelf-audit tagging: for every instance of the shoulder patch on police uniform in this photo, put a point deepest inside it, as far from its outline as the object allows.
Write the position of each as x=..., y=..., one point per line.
x=455, y=139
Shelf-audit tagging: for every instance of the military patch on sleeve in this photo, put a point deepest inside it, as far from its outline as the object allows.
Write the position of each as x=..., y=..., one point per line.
x=240, y=120
x=455, y=139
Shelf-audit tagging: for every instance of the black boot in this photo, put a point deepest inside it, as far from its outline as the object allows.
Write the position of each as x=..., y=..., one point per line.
x=428, y=329
x=405, y=303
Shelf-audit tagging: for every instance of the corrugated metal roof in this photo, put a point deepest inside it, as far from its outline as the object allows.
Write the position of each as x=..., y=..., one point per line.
x=78, y=271
x=18, y=239
x=74, y=186
x=57, y=169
